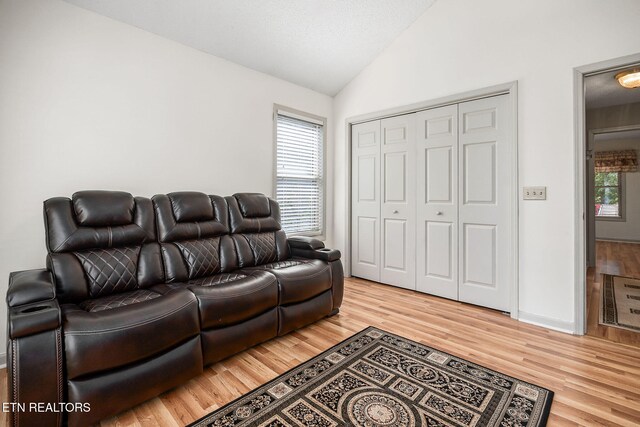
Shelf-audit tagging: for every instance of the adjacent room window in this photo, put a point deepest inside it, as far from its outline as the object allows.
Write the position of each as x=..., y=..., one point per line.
x=608, y=194
x=300, y=172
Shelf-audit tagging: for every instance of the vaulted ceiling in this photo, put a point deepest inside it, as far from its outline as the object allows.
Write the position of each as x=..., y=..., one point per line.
x=319, y=44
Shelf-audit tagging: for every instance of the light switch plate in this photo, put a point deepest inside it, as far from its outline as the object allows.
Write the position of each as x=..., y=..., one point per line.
x=534, y=193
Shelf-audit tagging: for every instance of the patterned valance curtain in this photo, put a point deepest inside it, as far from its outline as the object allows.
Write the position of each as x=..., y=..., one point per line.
x=616, y=161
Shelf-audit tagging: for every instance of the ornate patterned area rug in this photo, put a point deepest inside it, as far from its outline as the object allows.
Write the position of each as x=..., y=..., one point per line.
x=620, y=302
x=377, y=379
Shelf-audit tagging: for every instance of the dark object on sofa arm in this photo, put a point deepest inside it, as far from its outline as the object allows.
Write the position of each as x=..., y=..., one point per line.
x=139, y=295
x=308, y=247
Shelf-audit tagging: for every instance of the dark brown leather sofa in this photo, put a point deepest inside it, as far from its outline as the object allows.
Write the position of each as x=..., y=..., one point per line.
x=139, y=295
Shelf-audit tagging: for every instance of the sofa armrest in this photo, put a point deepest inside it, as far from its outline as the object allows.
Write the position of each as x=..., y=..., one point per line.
x=308, y=243
x=34, y=356
x=31, y=319
x=328, y=255
x=308, y=247
x=29, y=286
x=32, y=307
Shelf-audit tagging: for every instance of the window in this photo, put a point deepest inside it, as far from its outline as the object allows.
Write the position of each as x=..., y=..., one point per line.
x=300, y=172
x=608, y=195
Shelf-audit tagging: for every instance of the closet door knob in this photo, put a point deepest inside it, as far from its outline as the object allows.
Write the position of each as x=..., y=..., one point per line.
x=395, y=212
x=438, y=213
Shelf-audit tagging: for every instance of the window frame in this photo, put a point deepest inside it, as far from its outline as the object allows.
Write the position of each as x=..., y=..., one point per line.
x=311, y=118
x=621, y=198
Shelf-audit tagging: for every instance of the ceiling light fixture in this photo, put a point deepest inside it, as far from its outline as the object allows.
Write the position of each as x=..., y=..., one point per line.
x=629, y=78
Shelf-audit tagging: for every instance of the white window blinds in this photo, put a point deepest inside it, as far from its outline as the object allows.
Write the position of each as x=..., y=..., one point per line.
x=300, y=175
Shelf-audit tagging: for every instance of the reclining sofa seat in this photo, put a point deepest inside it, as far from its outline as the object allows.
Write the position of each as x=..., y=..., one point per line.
x=305, y=284
x=105, y=261
x=238, y=309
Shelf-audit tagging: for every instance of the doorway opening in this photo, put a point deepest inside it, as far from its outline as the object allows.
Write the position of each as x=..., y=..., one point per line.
x=608, y=203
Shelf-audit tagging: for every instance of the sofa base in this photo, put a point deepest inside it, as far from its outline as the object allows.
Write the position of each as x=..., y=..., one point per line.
x=31, y=362
x=218, y=344
x=115, y=391
x=337, y=283
x=295, y=316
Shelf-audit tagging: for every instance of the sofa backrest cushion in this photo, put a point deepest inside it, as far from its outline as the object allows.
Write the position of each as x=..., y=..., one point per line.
x=254, y=220
x=101, y=243
x=96, y=208
x=253, y=205
x=193, y=230
x=253, y=213
x=190, y=206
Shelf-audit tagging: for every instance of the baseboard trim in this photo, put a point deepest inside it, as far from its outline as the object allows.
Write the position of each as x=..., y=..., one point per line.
x=547, y=322
x=3, y=360
x=618, y=240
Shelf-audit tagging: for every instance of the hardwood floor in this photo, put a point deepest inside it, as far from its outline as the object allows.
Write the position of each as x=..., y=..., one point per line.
x=597, y=382
x=621, y=259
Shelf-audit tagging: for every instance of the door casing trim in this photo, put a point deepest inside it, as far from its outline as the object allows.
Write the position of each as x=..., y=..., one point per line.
x=580, y=143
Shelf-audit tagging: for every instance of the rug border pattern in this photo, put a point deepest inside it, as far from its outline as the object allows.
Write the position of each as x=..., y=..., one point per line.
x=608, y=308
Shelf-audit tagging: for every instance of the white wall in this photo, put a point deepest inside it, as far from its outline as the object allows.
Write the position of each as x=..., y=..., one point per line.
x=629, y=228
x=463, y=45
x=90, y=103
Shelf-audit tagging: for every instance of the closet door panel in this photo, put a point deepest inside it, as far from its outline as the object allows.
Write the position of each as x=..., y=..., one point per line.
x=437, y=201
x=367, y=169
x=398, y=201
x=395, y=248
x=479, y=266
x=485, y=200
x=365, y=194
x=479, y=171
x=439, y=250
x=366, y=249
x=395, y=177
x=439, y=166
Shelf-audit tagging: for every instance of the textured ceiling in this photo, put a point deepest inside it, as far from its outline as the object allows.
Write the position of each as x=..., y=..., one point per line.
x=603, y=90
x=319, y=44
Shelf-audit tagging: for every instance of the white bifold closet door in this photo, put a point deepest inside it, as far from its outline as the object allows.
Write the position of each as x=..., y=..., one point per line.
x=465, y=182
x=383, y=201
x=432, y=197
x=485, y=222
x=398, y=175
x=365, y=200
x=437, y=207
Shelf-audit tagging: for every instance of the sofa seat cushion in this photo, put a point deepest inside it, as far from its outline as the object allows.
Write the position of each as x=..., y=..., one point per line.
x=118, y=300
x=217, y=279
x=298, y=280
x=100, y=340
x=227, y=299
x=282, y=264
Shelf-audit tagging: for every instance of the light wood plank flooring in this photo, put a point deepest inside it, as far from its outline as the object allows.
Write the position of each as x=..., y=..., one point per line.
x=621, y=259
x=597, y=382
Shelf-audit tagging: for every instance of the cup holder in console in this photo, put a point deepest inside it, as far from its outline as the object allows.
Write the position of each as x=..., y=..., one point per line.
x=34, y=309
